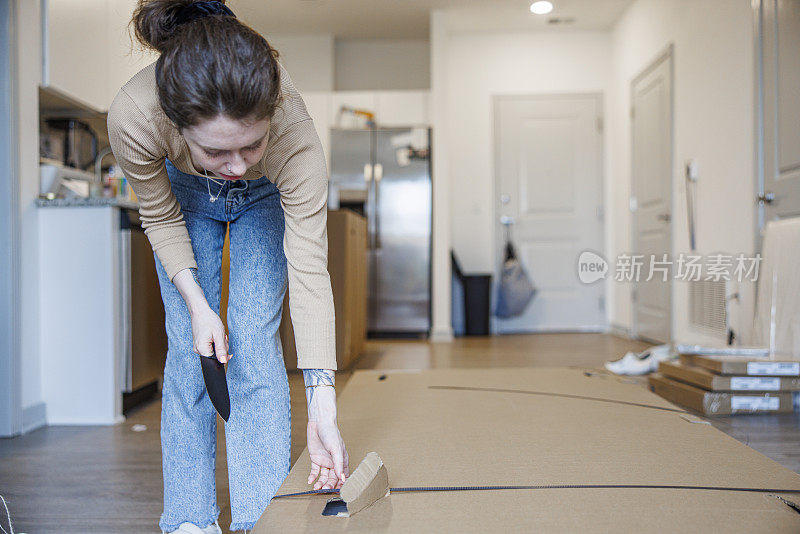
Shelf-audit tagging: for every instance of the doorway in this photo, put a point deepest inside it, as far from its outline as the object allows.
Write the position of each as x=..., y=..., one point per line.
x=548, y=192
x=778, y=109
x=10, y=388
x=651, y=198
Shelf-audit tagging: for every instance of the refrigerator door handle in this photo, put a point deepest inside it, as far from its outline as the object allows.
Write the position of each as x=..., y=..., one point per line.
x=369, y=207
x=377, y=227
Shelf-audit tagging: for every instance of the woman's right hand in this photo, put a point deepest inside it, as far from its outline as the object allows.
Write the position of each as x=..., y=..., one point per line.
x=209, y=335
x=208, y=332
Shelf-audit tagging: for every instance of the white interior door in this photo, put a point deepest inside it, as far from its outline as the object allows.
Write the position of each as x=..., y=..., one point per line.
x=651, y=175
x=780, y=108
x=548, y=175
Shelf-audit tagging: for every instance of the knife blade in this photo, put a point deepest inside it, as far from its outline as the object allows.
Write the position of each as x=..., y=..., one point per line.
x=216, y=385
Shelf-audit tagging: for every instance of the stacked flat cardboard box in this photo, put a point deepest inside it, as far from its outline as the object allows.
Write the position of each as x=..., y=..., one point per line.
x=725, y=385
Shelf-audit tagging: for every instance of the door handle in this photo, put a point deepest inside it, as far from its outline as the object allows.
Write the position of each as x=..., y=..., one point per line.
x=666, y=217
x=369, y=206
x=507, y=221
x=378, y=172
x=767, y=197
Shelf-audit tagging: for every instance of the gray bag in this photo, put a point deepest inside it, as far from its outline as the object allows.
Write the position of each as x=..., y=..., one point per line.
x=515, y=290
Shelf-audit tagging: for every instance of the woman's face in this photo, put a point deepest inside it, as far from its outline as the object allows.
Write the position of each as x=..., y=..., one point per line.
x=227, y=147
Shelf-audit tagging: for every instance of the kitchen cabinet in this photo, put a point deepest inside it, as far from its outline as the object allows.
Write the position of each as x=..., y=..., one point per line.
x=391, y=108
x=347, y=265
x=56, y=104
x=144, y=349
x=366, y=100
x=76, y=60
x=80, y=294
x=318, y=105
x=90, y=65
x=101, y=316
x=402, y=108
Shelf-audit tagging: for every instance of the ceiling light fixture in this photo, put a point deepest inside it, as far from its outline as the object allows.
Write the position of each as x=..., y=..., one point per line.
x=541, y=7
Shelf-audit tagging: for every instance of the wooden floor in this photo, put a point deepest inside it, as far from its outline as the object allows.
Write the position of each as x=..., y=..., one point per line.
x=108, y=479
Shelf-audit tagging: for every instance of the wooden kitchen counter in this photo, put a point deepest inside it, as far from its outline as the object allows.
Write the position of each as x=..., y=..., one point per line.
x=347, y=265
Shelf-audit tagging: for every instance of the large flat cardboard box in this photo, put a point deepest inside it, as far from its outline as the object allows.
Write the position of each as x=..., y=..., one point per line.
x=701, y=377
x=737, y=365
x=720, y=403
x=347, y=265
x=538, y=426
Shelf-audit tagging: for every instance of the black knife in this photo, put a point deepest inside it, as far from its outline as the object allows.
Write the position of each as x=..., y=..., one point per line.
x=216, y=385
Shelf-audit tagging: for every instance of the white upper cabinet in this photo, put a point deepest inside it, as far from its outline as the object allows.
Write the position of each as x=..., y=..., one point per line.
x=88, y=49
x=402, y=108
x=123, y=62
x=363, y=100
x=391, y=108
x=319, y=105
x=76, y=54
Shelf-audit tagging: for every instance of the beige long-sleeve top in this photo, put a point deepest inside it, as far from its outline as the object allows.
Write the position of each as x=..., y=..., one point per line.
x=142, y=137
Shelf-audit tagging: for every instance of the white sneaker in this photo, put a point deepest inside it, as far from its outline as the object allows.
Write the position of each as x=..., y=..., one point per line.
x=640, y=363
x=191, y=528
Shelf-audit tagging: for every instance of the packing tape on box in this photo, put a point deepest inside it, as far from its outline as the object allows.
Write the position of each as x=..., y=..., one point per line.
x=416, y=489
x=561, y=395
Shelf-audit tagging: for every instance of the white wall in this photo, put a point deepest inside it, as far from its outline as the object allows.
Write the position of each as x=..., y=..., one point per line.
x=388, y=64
x=308, y=58
x=480, y=66
x=319, y=63
x=441, y=279
x=29, y=73
x=713, y=121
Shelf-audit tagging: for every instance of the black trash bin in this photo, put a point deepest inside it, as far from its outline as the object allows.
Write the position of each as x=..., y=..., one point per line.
x=477, y=299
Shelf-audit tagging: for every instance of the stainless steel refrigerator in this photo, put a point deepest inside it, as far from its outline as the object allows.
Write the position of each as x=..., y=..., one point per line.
x=385, y=174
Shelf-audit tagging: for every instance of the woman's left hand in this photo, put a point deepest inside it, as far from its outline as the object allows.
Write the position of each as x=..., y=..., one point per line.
x=330, y=464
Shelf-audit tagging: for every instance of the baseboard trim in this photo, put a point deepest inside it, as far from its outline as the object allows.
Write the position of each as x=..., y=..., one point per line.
x=620, y=331
x=88, y=421
x=596, y=329
x=442, y=335
x=34, y=417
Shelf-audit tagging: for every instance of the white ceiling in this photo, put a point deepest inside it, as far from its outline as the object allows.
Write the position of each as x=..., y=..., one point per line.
x=409, y=19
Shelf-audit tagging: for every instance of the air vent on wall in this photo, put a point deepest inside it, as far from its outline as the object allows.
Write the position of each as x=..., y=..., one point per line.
x=707, y=306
